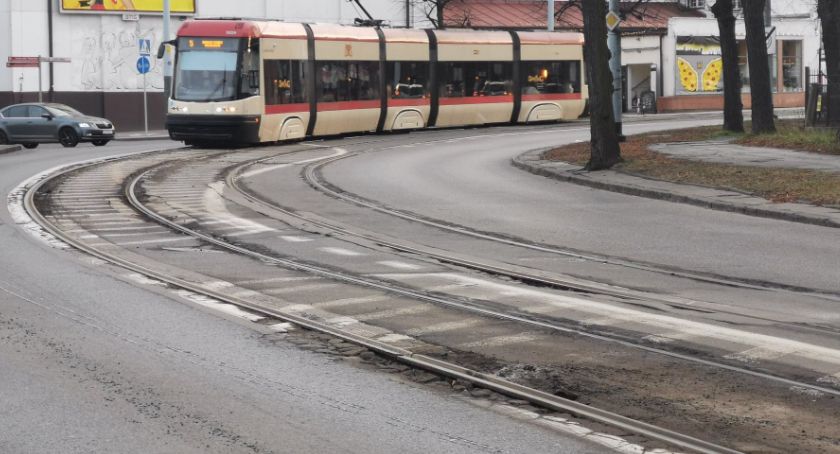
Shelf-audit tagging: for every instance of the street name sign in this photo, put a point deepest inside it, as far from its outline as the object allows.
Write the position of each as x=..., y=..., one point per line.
x=23, y=62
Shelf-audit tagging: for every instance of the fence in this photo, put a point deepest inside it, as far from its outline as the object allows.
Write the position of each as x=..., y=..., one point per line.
x=816, y=95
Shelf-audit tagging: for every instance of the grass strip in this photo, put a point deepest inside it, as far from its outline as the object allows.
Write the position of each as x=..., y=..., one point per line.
x=777, y=185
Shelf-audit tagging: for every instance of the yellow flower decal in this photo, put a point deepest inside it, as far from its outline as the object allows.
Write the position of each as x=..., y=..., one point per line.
x=712, y=75
x=688, y=76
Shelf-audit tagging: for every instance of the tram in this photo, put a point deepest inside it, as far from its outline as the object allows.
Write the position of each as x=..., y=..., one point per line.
x=252, y=82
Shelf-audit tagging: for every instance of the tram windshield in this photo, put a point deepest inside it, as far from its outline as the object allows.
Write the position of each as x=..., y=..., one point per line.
x=216, y=69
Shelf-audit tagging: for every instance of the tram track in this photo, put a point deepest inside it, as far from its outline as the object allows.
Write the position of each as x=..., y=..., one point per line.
x=411, y=358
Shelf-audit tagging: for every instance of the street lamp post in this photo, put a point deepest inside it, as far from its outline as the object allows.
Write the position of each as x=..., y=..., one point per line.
x=614, y=44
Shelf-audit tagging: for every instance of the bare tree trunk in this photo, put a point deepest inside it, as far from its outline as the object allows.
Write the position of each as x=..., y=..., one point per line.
x=605, y=150
x=829, y=11
x=733, y=117
x=760, y=92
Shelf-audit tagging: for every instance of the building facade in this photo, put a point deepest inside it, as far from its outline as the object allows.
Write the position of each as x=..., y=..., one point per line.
x=103, y=45
x=671, y=47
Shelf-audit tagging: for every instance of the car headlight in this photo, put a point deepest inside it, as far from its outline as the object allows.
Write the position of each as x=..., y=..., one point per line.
x=84, y=125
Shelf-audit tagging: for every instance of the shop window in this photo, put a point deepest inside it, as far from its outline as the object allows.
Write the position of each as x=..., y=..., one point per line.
x=792, y=66
x=284, y=82
x=466, y=79
x=407, y=80
x=550, y=77
x=347, y=81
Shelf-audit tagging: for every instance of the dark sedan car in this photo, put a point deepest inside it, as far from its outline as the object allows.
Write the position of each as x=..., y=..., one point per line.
x=33, y=123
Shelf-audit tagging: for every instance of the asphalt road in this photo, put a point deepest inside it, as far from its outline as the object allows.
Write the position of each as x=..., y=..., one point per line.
x=92, y=361
x=470, y=181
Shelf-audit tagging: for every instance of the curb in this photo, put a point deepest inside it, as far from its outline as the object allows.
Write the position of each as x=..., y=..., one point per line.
x=532, y=162
x=5, y=149
x=142, y=137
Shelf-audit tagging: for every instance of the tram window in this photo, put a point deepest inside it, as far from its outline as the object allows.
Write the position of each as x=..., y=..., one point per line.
x=284, y=82
x=465, y=79
x=550, y=77
x=407, y=79
x=347, y=81
x=249, y=78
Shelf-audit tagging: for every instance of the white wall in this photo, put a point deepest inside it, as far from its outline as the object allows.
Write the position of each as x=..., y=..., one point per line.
x=806, y=30
x=6, y=76
x=104, y=50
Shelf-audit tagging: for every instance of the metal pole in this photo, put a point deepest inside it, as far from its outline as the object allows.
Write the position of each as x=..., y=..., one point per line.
x=614, y=43
x=40, y=87
x=167, y=58
x=550, y=18
x=145, y=106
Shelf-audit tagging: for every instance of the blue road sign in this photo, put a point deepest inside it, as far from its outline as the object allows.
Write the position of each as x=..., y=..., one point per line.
x=145, y=46
x=143, y=65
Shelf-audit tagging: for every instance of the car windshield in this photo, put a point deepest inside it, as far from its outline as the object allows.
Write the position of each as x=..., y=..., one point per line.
x=206, y=70
x=60, y=110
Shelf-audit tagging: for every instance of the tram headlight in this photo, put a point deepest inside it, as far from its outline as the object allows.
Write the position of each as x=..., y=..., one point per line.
x=179, y=109
x=225, y=109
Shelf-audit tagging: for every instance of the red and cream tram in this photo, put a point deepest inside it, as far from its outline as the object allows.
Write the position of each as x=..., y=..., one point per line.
x=250, y=82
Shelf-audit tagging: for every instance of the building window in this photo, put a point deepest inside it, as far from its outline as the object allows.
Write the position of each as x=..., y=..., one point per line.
x=792, y=66
x=696, y=3
x=347, y=81
x=284, y=82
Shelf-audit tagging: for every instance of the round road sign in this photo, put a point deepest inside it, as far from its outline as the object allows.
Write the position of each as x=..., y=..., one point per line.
x=143, y=65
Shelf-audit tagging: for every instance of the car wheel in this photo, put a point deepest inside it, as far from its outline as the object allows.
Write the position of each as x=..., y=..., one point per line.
x=99, y=143
x=4, y=139
x=30, y=145
x=68, y=137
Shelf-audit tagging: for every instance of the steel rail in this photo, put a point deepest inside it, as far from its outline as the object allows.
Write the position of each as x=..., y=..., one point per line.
x=231, y=181
x=313, y=176
x=406, y=357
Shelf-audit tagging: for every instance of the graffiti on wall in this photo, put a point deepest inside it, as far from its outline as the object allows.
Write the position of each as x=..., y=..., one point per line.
x=107, y=58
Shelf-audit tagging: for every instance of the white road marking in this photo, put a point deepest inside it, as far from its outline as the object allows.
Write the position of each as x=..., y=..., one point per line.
x=394, y=338
x=158, y=240
x=500, y=341
x=118, y=229
x=215, y=206
x=658, y=322
x=443, y=327
x=217, y=285
x=277, y=279
x=351, y=301
x=414, y=310
x=338, y=152
x=299, y=288
x=341, y=251
x=758, y=354
x=282, y=327
x=217, y=305
x=400, y=265
x=295, y=239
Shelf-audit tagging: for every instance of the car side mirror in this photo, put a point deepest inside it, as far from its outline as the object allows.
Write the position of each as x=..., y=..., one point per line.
x=47, y=116
x=162, y=48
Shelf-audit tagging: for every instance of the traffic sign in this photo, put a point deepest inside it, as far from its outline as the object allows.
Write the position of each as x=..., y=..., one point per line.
x=143, y=65
x=613, y=20
x=145, y=46
x=23, y=62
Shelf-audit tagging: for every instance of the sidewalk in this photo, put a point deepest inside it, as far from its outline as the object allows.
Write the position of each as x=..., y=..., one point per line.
x=716, y=199
x=9, y=148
